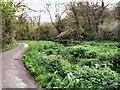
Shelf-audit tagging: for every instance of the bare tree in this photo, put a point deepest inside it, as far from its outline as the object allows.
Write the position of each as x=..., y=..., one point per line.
x=73, y=8
x=98, y=14
x=58, y=15
x=94, y=13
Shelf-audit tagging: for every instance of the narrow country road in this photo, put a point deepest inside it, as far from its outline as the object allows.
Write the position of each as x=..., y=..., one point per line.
x=14, y=74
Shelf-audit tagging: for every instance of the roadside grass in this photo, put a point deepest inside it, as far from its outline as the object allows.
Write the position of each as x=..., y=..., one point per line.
x=14, y=44
x=8, y=46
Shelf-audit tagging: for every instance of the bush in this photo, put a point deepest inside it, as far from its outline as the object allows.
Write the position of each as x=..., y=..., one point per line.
x=7, y=22
x=90, y=78
x=109, y=31
x=90, y=54
x=116, y=62
x=74, y=53
x=49, y=80
x=54, y=64
x=46, y=31
x=103, y=57
x=97, y=78
x=31, y=62
x=89, y=62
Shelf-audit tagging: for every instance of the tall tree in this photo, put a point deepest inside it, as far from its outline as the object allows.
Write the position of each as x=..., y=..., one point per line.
x=88, y=16
x=8, y=15
x=58, y=15
x=73, y=9
x=93, y=12
x=8, y=11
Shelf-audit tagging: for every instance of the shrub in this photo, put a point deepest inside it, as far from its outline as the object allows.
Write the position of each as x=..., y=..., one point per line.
x=90, y=54
x=109, y=31
x=88, y=62
x=78, y=52
x=74, y=53
x=55, y=64
x=115, y=60
x=31, y=62
x=103, y=57
x=44, y=79
x=49, y=51
x=46, y=31
x=97, y=78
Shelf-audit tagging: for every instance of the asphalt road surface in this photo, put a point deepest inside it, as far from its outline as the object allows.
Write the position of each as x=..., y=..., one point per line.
x=14, y=74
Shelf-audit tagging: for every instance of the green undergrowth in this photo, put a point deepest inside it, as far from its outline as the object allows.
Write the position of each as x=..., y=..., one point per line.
x=88, y=65
x=8, y=46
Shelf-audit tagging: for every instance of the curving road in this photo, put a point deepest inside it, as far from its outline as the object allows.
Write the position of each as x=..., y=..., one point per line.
x=14, y=74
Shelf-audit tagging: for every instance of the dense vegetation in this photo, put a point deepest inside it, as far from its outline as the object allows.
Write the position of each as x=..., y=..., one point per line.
x=82, y=21
x=86, y=65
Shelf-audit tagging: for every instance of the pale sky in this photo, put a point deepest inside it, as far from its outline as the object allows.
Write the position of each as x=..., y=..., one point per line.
x=40, y=4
